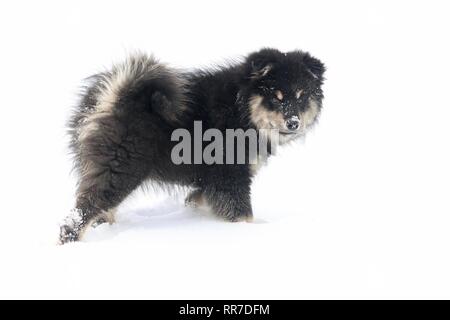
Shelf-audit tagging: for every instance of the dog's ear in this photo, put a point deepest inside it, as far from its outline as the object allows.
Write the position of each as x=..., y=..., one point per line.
x=260, y=70
x=262, y=62
x=314, y=66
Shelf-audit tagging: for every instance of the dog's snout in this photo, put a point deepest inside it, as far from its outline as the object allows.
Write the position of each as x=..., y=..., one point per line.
x=292, y=124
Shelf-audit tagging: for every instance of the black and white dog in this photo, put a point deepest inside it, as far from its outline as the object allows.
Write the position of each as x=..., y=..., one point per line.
x=121, y=132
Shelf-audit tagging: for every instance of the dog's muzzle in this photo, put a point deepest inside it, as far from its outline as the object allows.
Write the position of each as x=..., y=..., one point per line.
x=292, y=124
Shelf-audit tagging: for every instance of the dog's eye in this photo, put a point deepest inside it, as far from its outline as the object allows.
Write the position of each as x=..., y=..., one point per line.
x=299, y=93
x=275, y=101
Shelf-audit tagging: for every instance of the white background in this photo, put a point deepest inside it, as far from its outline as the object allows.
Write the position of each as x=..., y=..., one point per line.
x=360, y=210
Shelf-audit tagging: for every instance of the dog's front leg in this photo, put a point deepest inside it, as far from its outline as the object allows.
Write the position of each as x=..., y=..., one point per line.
x=229, y=197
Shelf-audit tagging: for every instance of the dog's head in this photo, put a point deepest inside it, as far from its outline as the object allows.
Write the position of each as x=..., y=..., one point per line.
x=284, y=91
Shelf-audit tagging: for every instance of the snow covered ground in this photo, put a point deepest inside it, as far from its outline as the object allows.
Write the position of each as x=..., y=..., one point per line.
x=360, y=210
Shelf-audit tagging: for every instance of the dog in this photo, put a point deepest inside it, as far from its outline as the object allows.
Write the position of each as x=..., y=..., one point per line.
x=121, y=132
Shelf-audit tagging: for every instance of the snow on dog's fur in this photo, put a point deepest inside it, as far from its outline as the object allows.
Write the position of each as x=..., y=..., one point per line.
x=121, y=130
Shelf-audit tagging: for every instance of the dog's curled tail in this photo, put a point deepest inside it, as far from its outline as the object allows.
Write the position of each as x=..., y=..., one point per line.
x=139, y=87
x=139, y=83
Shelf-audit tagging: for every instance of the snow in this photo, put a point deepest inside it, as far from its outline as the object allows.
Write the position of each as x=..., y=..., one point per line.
x=359, y=210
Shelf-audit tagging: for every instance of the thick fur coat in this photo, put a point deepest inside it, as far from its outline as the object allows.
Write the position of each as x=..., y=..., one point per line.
x=121, y=130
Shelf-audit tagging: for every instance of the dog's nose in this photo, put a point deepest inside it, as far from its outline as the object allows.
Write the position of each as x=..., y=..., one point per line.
x=292, y=124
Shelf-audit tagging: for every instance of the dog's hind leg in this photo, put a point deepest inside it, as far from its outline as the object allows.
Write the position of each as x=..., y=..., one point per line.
x=110, y=172
x=106, y=217
x=113, y=160
x=195, y=198
x=118, y=132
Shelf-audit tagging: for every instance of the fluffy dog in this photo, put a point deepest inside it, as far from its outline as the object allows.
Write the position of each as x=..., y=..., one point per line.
x=121, y=131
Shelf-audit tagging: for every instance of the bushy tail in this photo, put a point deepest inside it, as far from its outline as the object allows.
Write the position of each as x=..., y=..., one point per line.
x=139, y=84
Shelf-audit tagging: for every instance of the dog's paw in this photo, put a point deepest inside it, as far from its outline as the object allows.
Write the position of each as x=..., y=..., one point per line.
x=105, y=217
x=241, y=218
x=70, y=229
x=67, y=234
x=194, y=199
